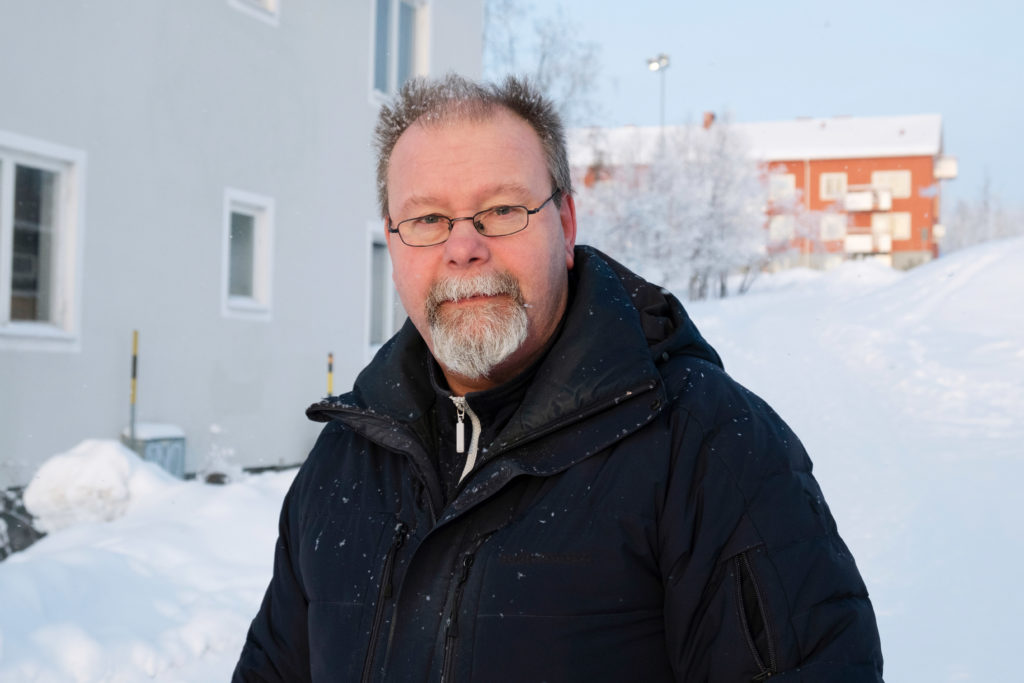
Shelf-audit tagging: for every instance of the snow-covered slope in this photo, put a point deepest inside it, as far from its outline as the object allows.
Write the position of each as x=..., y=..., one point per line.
x=907, y=389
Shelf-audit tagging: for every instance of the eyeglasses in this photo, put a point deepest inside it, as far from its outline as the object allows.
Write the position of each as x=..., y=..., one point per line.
x=497, y=221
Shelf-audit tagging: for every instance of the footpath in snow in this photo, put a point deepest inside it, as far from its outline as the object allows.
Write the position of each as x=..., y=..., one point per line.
x=906, y=388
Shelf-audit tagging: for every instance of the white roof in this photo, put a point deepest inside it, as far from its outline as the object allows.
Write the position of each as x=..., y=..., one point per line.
x=840, y=137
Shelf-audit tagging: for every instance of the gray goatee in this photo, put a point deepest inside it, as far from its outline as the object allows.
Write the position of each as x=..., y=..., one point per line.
x=472, y=341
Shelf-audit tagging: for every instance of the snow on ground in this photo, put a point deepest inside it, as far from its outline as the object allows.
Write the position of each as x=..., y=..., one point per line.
x=906, y=388
x=165, y=591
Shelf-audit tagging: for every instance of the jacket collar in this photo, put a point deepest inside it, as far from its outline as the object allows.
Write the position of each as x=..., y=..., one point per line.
x=617, y=329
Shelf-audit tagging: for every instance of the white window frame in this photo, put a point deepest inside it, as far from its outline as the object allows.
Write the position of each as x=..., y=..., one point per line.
x=392, y=306
x=62, y=332
x=421, y=52
x=898, y=182
x=268, y=11
x=832, y=185
x=261, y=208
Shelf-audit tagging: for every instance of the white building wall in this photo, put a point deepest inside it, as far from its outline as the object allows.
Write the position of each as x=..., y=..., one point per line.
x=172, y=103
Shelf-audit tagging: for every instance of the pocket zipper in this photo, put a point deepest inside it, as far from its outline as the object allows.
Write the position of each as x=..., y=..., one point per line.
x=767, y=664
x=383, y=595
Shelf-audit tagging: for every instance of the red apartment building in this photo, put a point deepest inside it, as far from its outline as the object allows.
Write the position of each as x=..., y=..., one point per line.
x=842, y=187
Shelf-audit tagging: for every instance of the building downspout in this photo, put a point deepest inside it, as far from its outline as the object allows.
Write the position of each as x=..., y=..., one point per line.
x=807, y=205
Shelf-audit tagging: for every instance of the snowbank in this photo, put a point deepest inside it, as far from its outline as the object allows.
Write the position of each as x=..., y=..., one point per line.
x=93, y=482
x=166, y=591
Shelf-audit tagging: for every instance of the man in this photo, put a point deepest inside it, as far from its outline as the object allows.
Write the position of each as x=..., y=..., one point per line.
x=545, y=475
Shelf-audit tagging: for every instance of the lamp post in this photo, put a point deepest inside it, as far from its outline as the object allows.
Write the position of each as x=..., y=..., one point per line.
x=659, y=64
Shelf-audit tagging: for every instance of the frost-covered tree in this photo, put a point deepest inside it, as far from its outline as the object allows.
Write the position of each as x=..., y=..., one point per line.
x=981, y=220
x=794, y=233
x=518, y=39
x=692, y=219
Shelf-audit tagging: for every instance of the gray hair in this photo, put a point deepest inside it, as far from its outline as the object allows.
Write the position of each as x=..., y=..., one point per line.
x=455, y=98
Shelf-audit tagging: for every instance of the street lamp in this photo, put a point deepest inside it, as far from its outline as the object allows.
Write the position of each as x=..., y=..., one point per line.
x=659, y=64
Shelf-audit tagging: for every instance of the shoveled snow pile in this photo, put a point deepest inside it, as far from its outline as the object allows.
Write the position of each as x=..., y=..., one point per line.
x=93, y=482
x=906, y=388
x=164, y=591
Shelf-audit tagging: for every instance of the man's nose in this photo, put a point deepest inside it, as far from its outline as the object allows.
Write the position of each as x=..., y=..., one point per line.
x=466, y=246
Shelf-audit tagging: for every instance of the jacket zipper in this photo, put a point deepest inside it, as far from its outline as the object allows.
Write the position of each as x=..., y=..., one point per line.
x=452, y=629
x=770, y=667
x=401, y=533
x=461, y=410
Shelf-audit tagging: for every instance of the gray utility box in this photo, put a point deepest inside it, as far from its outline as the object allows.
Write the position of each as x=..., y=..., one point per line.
x=159, y=443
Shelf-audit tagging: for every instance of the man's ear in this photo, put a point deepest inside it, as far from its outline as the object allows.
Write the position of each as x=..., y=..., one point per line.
x=567, y=215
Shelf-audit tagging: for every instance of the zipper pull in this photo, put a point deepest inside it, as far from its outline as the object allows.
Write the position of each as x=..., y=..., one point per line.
x=460, y=425
x=467, y=564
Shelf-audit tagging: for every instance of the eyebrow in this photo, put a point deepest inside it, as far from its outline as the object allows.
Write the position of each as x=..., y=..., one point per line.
x=422, y=200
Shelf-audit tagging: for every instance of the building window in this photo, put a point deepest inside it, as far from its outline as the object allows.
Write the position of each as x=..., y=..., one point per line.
x=833, y=226
x=40, y=241
x=398, y=43
x=781, y=186
x=900, y=222
x=248, y=244
x=832, y=186
x=386, y=312
x=266, y=10
x=897, y=182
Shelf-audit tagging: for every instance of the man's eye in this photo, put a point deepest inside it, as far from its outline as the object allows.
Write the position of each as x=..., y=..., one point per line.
x=502, y=210
x=430, y=220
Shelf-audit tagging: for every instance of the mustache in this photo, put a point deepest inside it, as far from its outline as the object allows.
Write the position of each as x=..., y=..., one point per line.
x=485, y=284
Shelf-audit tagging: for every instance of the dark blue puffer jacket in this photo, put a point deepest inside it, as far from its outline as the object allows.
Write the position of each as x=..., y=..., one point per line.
x=640, y=517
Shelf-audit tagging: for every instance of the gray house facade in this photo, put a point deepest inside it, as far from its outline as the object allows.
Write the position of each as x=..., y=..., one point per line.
x=199, y=172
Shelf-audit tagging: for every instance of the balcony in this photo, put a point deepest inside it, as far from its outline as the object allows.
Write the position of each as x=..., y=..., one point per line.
x=945, y=168
x=859, y=244
x=867, y=198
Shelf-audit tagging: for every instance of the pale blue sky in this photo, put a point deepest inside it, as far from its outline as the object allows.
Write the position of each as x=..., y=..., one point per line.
x=779, y=60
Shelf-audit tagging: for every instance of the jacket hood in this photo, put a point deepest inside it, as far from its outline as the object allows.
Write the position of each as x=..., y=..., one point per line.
x=618, y=327
x=666, y=325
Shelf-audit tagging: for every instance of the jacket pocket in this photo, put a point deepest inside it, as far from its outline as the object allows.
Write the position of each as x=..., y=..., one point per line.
x=752, y=608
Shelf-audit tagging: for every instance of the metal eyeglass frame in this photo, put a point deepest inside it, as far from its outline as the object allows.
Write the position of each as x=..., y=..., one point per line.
x=451, y=221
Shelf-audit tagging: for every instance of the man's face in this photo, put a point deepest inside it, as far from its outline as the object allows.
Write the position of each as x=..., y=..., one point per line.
x=457, y=169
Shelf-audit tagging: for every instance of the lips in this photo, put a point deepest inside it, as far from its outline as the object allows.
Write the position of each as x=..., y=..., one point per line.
x=482, y=296
x=469, y=290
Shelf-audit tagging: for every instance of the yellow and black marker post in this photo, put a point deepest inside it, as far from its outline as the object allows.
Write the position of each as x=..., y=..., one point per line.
x=135, y=372
x=330, y=375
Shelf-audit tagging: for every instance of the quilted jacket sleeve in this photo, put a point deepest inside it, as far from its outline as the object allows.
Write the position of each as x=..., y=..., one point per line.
x=758, y=582
x=277, y=646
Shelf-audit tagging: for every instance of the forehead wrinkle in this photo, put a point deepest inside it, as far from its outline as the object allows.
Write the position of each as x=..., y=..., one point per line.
x=483, y=197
